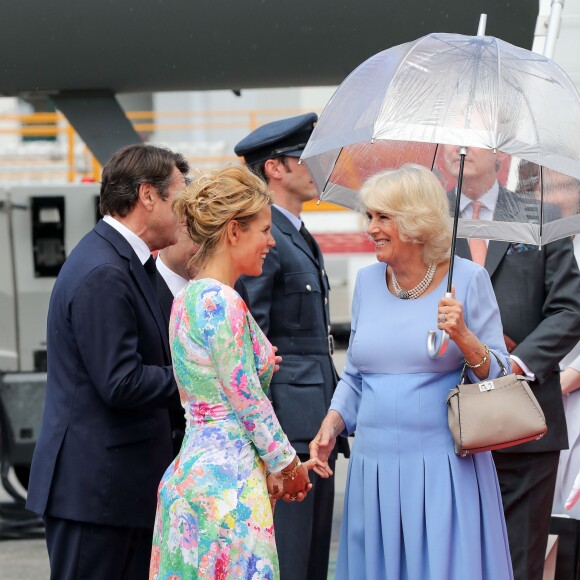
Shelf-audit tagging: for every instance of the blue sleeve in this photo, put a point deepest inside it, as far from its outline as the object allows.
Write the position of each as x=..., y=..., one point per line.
x=482, y=317
x=346, y=398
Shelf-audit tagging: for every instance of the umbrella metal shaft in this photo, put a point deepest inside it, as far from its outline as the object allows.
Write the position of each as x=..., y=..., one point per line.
x=462, y=154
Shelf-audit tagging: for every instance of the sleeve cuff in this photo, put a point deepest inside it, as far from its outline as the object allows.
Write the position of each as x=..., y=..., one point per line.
x=528, y=373
x=280, y=458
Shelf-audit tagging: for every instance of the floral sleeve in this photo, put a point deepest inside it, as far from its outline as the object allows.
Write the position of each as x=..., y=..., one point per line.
x=221, y=314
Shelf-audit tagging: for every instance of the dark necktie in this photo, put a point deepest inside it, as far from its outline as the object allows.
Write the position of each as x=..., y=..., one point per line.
x=308, y=238
x=151, y=270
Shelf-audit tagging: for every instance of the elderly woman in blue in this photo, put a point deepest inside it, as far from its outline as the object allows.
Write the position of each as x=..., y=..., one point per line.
x=413, y=509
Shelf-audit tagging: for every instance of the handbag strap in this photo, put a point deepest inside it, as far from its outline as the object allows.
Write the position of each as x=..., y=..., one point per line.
x=501, y=366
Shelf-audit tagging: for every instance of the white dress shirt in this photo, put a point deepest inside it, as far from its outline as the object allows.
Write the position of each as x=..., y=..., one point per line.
x=139, y=246
x=174, y=281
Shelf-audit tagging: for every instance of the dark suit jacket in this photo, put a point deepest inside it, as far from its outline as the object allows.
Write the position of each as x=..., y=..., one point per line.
x=538, y=292
x=290, y=303
x=105, y=440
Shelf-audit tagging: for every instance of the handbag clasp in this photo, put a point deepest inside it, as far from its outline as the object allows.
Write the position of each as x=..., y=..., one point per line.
x=486, y=386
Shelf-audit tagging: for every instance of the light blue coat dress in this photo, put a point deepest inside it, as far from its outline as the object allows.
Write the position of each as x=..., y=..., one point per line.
x=413, y=509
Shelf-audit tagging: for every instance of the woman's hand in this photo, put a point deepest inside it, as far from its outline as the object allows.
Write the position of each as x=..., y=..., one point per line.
x=277, y=359
x=274, y=485
x=574, y=494
x=290, y=492
x=569, y=380
x=278, y=489
x=450, y=319
x=322, y=445
x=292, y=483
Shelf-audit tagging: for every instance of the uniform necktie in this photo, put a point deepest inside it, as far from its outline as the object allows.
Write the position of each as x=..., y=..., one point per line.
x=308, y=238
x=151, y=270
x=478, y=248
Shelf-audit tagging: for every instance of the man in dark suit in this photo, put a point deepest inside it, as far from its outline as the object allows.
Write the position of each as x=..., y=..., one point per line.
x=105, y=439
x=290, y=303
x=538, y=292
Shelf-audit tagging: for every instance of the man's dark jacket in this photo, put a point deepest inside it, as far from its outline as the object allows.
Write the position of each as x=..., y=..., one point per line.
x=105, y=439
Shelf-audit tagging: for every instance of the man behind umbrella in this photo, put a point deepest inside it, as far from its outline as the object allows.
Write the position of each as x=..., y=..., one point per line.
x=105, y=439
x=290, y=303
x=538, y=293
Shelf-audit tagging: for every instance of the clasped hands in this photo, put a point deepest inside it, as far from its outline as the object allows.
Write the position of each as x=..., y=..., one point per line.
x=292, y=483
x=293, y=488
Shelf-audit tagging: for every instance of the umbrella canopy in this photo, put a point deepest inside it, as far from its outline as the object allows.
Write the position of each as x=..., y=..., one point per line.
x=404, y=103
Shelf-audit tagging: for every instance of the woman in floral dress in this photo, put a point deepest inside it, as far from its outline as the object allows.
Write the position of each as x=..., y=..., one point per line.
x=214, y=517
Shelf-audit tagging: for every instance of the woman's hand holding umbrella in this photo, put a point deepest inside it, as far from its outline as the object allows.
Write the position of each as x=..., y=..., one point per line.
x=450, y=319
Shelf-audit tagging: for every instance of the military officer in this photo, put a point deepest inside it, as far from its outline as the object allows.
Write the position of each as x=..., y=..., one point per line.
x=290, y=303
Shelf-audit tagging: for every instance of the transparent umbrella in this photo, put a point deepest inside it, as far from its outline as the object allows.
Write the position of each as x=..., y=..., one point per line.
x=431, y=100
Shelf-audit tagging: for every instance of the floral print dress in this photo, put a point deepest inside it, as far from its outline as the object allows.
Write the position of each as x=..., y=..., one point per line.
x=214, y=518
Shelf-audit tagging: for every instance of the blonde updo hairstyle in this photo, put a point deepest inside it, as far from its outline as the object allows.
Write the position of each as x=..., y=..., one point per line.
x=413, y=197
x=212, y=201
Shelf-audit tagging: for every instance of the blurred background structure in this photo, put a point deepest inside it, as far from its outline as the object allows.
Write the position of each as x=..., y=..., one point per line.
x=94, y=63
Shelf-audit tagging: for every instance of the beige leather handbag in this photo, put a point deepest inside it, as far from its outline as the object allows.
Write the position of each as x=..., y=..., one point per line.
x=493, y=414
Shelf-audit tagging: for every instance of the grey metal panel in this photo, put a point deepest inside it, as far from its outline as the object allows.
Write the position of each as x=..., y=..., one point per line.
x=153, y=45
x=34, y=293
x=22, y=398
x=8, y=351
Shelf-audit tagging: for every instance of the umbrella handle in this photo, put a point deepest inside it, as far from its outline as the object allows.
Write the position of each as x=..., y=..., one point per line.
x=432, y=349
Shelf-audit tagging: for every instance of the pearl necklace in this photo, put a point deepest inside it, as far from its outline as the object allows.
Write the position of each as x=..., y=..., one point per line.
x=419, y=289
